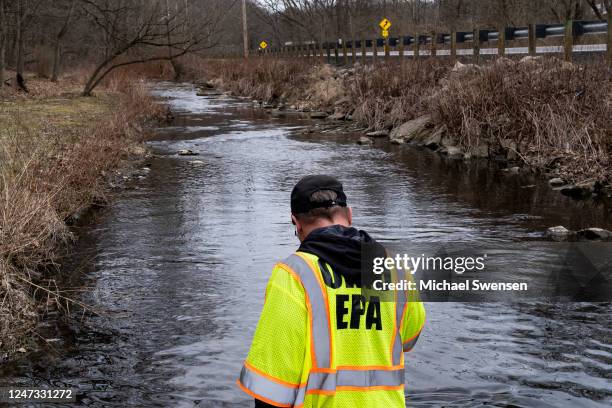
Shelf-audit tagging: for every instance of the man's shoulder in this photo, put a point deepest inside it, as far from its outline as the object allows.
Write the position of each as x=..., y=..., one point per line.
x=285, y=278
x=294, y=266
x=297, y=259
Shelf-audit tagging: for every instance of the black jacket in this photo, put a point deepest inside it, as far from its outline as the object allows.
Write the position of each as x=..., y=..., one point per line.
x=347, y=250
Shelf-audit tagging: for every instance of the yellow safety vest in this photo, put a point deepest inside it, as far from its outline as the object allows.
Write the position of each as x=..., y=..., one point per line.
x=320, y=343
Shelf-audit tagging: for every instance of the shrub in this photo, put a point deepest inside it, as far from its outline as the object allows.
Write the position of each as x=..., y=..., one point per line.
x=47, y=174
x=549, y=109
x=388, y=95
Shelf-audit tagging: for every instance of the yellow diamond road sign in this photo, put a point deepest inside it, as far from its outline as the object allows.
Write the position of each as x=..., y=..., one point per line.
x=385, y=24
x=385, y=33
x=263, y=45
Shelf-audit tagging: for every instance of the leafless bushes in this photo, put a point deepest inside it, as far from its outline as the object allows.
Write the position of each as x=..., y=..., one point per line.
x=262, y=79
x=387, y=95
x=28, y=229
x=43, y=180
x=554, y=115
x=547, y=109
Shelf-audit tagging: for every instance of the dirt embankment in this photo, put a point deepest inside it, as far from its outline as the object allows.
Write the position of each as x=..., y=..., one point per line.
x=60, y=153
x=535, y=114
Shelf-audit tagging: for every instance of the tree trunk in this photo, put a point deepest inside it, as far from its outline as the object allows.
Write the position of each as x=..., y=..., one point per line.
x=19, y=38
x=91, y=83
x=2, y=42
x=21, y=54
x=57, y=58
x=175, y=64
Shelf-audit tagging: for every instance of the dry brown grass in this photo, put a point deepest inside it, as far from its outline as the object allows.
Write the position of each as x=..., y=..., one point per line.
x=387, y=95
x=56, y=152
x=549, y=109
x=262, y=79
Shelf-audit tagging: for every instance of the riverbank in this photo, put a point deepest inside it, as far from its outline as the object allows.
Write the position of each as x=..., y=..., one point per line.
x=60, y=154
x=536, y=114
x=171, y=332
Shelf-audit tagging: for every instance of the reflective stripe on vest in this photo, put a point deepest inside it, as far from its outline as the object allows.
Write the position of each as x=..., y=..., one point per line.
x=268, y=390
x=320, y=322
x=354, y=379
x=409, y=344
x=400, y=305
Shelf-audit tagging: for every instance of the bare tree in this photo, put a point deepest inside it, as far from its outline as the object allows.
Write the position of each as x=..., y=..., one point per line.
x=19, y=34
x=3, y=40
x=175, y=66
x=564, y=10
x=273, y=21
x=135, y=33
x=598, y=7
x=57, y=55
x=26, y=10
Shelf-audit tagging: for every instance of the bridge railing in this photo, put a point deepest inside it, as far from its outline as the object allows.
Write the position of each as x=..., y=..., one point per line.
x=453, y=44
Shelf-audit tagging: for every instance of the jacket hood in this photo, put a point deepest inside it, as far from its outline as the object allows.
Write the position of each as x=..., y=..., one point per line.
x=345, y=249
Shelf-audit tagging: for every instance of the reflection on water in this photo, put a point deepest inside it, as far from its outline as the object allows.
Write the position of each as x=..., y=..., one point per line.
x=179, y=264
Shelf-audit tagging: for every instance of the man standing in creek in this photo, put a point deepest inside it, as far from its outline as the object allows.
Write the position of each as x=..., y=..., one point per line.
x=323, y=340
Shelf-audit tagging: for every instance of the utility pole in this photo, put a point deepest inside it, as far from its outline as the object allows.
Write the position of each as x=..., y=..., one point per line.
x=245, y=35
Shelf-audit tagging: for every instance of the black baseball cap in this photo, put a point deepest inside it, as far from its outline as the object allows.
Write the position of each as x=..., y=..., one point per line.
x=300, y=196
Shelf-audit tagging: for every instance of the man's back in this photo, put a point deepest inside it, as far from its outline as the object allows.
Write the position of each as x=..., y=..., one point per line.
x=325, y=341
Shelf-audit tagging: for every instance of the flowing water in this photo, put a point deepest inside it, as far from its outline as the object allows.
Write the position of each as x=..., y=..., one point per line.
x=178, y=265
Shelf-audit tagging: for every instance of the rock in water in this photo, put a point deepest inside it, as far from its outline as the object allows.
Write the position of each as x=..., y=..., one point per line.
x=337, y=116
x=365, y=141
x=556, y=182
x=452, y=151
x=318, y=115
x=595, y=234
x=378, y=133
x=435, y=139
x=513, y=170
x=578, y=191
x=482, y=150
x=416, y=131
x=559, y=233
x=187, y=152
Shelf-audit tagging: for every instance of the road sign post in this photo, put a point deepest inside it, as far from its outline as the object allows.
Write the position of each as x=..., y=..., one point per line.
x=501, y=42
x=568, y=43
x=476, y=45
x=453, y=51
x=385, y=25
x=374, y=51
x=532, y=39
x=363, y=51
x=434, y=43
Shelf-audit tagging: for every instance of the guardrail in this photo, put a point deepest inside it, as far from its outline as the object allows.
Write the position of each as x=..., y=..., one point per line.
x=435, y=44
